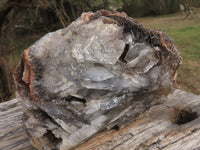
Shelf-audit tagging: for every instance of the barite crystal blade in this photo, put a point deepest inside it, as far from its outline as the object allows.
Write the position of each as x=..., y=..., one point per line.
x=100, y=72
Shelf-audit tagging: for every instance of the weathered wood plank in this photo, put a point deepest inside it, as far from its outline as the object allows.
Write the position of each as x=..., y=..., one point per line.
x=103, y=72
x=12, y=135
x=153, y=130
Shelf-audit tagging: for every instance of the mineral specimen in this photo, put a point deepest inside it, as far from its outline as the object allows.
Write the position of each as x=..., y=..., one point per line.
x=100, y=72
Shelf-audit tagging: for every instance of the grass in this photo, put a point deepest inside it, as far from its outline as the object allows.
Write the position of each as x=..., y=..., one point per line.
x=186, y=35
x=15, y=56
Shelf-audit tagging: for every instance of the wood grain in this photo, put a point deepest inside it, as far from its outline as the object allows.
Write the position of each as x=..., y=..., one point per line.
x=153, y=130
x=12, y=135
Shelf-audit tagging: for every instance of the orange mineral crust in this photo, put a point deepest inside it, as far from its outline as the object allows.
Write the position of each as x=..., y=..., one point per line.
x=25, y=72
x=101, y=72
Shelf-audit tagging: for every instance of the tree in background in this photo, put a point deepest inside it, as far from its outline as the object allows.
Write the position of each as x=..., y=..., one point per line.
x=139, y=8
x=22, y=22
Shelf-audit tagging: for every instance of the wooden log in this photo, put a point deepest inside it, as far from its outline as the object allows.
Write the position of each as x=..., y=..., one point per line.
x=12, y=134
x=153, y=130
x=102, y=71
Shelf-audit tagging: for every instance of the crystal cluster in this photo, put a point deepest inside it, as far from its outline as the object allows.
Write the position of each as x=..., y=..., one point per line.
x=98, y=73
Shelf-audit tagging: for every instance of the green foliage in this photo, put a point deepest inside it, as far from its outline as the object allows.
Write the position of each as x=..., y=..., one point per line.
x=128, y=2
x=138, y=8
x=42, y=16
x=3, y=2
x=15, y=56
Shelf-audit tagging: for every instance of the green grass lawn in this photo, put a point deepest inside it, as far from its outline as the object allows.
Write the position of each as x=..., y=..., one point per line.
x=186, y=35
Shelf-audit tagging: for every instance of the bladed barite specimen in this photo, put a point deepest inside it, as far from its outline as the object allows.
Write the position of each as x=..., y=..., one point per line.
x=100, y=72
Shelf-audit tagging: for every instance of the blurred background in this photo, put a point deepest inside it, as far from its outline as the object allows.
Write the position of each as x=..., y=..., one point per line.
x=22, y=22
